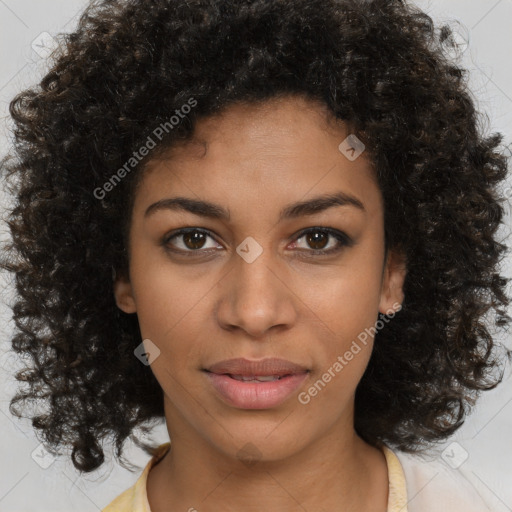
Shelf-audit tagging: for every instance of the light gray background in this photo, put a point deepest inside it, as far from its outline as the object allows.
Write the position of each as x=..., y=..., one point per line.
x=486, y=435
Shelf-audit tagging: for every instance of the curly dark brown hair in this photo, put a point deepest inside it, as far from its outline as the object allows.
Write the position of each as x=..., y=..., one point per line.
x=382, y=67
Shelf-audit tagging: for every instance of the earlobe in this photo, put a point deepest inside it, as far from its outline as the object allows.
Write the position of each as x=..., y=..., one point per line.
x=123, y=294
x=392, y=294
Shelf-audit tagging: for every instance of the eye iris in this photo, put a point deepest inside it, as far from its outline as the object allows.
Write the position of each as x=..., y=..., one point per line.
x=195, y=237
x=313, y=239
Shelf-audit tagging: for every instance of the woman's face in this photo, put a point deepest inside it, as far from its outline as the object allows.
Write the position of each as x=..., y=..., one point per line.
x=247, y=282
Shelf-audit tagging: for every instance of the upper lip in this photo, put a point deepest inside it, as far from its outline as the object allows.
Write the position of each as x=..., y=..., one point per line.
x=263, y=367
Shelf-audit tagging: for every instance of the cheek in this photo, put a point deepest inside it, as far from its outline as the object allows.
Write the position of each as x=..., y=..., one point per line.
x=167, y=295
x=171, y=310
x=171, y=313
x=344, y=348
x=347, y=305
x=348, y=299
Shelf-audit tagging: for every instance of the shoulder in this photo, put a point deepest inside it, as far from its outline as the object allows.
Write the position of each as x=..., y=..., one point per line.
x=135, y=499
x=433, y=485
x=123, y=503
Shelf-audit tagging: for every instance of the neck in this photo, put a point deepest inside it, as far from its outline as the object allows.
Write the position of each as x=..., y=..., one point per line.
x=336, y=472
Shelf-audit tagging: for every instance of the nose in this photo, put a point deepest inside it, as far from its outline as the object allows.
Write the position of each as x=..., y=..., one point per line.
x=256, y=297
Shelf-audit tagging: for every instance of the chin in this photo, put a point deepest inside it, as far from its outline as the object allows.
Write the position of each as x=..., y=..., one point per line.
x=263, y=440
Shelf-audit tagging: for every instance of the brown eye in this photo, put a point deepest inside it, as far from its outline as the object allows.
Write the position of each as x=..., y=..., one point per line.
x=189, y=241
x=194, y=240
x=317, y=239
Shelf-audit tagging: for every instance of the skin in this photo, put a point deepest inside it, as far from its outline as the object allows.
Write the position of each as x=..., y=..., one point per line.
x=254, y=160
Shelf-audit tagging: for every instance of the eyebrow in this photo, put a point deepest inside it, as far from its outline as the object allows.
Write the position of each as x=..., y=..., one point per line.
x=215, y=211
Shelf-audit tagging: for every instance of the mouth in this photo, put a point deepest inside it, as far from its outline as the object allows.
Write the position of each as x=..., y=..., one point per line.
x=260, y=384
x=257, y=378
x=269, y=367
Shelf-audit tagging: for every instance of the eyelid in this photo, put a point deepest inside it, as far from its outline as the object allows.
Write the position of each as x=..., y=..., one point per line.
x=331, y=231
x=343, y=239
x=183, y=231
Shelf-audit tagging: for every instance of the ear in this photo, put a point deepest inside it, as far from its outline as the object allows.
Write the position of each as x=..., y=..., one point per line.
x=123, y=294
x=392, y=294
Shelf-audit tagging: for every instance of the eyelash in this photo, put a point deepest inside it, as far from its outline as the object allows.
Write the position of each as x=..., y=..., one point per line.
x=343, y=239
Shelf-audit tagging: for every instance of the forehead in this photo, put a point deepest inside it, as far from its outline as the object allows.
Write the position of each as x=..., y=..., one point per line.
x=284, y=149
x=269, y=123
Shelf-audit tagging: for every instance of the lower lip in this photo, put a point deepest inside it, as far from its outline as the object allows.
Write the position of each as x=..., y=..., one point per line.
x=255, y=395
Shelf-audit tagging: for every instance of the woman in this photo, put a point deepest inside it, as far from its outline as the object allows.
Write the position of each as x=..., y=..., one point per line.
x=271, y=223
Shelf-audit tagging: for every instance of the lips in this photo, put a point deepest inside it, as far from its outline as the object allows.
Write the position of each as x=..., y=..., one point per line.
x=256, y=378
x=270, y=367
x=260, y=384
